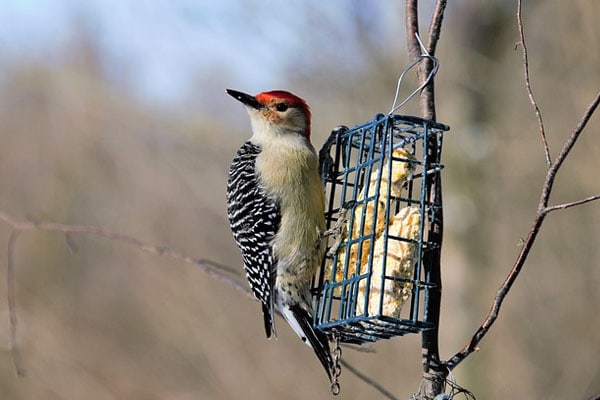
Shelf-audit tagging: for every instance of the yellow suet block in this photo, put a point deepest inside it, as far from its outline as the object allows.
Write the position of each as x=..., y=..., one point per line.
x=399, y=260
x=369, y=219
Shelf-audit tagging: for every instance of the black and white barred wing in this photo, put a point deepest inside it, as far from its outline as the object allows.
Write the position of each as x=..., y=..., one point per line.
x=254, y=218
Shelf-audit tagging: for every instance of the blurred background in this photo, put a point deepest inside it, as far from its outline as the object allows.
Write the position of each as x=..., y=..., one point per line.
x=114, y=113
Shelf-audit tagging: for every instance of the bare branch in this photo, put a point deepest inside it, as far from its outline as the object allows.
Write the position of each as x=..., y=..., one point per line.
x=223, y=273
x=217, y=271
x=536, y=224
x=500, y=295
x=532, y=100
x=12, y=308
x=434, y=371
x=566, y=149
x=427, y=100
x=368, y=381
x=412, y=29
x=428, y=93
x=435, y=27
x=564, y=206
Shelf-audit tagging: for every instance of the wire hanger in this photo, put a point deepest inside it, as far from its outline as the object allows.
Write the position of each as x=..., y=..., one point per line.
x=424, y=54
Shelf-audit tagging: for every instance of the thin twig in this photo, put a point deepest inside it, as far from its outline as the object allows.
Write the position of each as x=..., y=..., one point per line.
x=564, y=206
x=12, y=308
x=218, y=271
x=532, y=100
x=368, y=381
x=489, y=320
x=565, y=150
x=536, y=224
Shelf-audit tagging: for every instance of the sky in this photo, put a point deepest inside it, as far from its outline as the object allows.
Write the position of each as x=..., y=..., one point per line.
x=163, y=45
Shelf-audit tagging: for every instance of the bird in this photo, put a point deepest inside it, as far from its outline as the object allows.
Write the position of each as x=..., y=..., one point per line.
x=275, y=207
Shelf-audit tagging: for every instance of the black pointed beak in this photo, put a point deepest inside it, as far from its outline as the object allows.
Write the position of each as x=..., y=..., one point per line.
x=245, y=98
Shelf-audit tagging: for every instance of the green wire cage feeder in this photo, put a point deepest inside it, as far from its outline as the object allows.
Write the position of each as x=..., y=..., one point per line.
x=373, y=283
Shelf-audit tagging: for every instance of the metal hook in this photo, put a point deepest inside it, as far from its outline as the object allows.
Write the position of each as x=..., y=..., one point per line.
x=424, y=54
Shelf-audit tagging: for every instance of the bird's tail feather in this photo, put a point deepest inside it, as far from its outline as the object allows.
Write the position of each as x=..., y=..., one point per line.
x=314, y=338
x=269, y=321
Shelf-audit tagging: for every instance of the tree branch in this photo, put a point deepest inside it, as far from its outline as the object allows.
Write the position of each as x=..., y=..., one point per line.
x=12, y=308
x=434, y=370
x=412, y=29
x=500, y=295
x=536, y=224
x=564, y=206
x=215, y=270
x=435, y=26
x=387, y=394
x=428, y=93
x=532, y=100
x=565, y=150
x=427, y=99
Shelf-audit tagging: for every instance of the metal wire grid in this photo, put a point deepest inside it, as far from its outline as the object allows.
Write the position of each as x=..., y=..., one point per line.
x=350, y=158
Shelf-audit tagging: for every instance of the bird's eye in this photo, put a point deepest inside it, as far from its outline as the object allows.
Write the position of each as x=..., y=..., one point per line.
x=281, y=107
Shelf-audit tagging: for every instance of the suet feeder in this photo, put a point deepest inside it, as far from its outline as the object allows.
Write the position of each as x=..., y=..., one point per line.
x=373, y=283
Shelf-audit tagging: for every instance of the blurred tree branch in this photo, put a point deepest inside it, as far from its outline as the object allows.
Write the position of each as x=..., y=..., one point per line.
x=12, y=309
x=369, y=381
x=215, y=270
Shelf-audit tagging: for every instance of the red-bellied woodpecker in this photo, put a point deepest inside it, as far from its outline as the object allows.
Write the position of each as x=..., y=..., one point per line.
x=276, y=211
